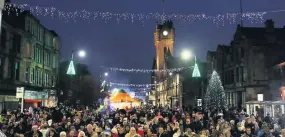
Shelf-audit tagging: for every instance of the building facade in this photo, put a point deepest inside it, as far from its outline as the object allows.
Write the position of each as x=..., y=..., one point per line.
x=172, y=89
x=29, y=58
x=244, y=64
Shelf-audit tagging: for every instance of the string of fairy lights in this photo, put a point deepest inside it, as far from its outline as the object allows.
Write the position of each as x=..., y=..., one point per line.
x=133, y=70
x=74, y=16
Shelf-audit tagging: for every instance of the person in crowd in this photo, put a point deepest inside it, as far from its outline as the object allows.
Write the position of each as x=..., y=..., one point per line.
x=144, y=121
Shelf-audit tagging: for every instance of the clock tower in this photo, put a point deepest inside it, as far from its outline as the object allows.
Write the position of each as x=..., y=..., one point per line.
x=163, y=40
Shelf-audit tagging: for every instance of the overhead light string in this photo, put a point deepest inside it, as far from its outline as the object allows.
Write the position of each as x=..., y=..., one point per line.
x=253, y=17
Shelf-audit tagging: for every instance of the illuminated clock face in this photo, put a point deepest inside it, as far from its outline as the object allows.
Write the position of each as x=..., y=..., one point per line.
x=165, y=33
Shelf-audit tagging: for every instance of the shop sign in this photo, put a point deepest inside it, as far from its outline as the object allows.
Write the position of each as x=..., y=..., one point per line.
x=20, y=92
x=11, y=99
x=8, y=98
x=42, y=95
x=31, y=95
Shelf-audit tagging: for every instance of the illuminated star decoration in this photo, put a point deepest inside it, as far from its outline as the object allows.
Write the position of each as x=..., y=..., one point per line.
x=74, y=16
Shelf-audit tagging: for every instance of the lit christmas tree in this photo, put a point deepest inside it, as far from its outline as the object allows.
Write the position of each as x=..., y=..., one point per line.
x=215, y=97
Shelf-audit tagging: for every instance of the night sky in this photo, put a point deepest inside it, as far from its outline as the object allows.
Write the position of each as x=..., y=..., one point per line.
x=130, y=45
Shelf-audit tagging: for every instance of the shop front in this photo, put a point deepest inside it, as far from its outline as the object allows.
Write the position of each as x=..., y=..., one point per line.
x=9, y=102
x=264, y=108
x=34, y=98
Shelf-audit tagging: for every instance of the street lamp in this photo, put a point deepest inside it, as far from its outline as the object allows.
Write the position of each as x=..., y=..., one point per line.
x=106, y=74
x=186, y=55
x=81, y=53
x=170, y=74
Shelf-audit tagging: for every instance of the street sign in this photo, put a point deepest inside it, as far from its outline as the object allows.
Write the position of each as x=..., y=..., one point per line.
x=20, y=92
x=199, y=102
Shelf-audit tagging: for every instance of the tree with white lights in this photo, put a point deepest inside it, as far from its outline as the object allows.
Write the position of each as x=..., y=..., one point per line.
x=215, y=97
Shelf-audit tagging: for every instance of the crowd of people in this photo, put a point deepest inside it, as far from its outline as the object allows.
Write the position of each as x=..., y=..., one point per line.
x=146, y=121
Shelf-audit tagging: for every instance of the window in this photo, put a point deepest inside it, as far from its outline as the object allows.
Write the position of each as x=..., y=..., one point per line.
x=39, y=33
x=54, y=62
x=54, y=42
x=32, y=78
x=32, y=28
x=40, y=77
x=48, y=79
x=42, y=34
x=35, y=29
x=47, y=40
x=34, y=52
x=17, y=70
x=27, y=74
x=237, y=75
x=53, y=82
x=242, y=52
x=1, y=67
x=10, y=69
x=38, y=54
x=45, y=79
x=36, y=76
x=28, y=50
x=241, y=72
x=29, y=26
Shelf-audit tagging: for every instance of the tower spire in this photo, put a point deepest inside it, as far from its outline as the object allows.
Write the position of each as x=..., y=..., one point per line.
x=163, y=12
x=241, y=13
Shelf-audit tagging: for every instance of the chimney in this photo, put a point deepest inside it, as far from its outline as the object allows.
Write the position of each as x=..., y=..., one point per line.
x=269, y=25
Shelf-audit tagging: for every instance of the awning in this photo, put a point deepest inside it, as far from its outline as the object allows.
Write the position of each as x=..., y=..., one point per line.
x=32, y=101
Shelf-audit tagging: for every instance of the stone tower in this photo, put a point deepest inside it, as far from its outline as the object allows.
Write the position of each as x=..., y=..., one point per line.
x=163, y=40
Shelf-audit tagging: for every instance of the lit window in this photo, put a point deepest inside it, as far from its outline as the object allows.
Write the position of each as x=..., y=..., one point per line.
x=28, y=50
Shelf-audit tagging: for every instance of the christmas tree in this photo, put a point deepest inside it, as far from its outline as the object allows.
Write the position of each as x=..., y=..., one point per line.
x=215, y=97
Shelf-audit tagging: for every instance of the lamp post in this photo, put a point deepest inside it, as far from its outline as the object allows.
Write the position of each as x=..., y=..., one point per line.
x=186, y=55
x=71, y=68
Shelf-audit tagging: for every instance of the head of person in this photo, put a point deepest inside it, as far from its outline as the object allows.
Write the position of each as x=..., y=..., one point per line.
x=81, y=134
x=160, y=130
x=72, y=133
x=35, y=128
x=248, y=130
x=132, y=131
x=89, y=128
x=51, y=132
x=62, y=134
